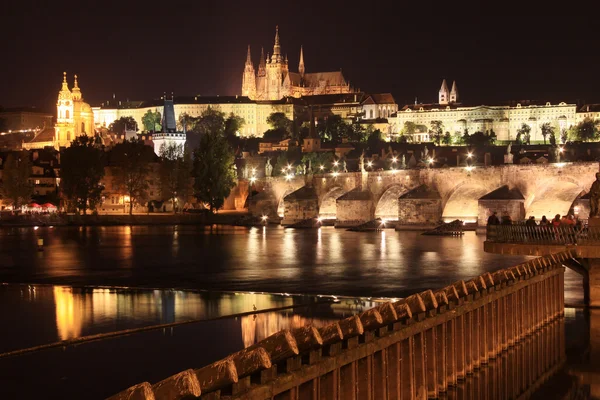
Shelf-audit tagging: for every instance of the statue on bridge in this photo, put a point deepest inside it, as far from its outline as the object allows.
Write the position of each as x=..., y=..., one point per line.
x=595, y=197
x=268, y=167
x=344, y=166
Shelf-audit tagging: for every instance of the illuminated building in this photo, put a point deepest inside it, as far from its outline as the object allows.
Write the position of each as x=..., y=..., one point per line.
x=274, y=80
x=25, y=119
x=504, y=120
x=74, y=118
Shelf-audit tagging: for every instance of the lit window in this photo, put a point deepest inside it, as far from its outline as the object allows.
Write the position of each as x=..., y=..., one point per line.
x=37, y=181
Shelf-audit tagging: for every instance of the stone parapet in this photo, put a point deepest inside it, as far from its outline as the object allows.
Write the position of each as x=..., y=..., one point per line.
x=414, y=348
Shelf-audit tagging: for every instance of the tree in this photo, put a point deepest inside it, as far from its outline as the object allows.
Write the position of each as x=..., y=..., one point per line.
x=409, y=128
x=458, y=138
x=587, y=130
x=437, y=130
x=122, y=124
x=334, y=129
x=15, y=178
x=211, y=121
x=375, y=140
x=317, y=160
x=174, y=173
x=280, y=164
x=548, y=131
x=553, y=139
x=82, y=169
x=151, y=121
x=280, y=121
x=447, y=139
x=213, y=170
x=233, y=125
x=479, y=139
x=131, y=161
x=523, y=134
x=564, y=134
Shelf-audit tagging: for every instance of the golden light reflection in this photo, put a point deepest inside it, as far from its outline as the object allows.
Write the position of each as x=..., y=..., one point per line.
x=68, y=313
x=259, y=326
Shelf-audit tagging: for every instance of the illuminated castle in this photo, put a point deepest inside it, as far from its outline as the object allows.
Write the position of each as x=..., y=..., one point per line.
x=274, y=80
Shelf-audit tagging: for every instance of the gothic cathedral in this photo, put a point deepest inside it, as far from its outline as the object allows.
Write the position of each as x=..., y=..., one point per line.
x=274, y=80
x=74, y=117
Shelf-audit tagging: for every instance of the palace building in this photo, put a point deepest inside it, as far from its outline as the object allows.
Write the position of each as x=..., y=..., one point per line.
x=505, y=120
x=74, y=117
x=274, y=80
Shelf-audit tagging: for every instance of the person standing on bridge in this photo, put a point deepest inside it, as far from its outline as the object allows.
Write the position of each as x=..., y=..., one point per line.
x=493, y=219
x=595, y=197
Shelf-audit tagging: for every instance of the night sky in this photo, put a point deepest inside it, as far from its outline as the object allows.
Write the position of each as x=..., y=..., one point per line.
x=138, y=51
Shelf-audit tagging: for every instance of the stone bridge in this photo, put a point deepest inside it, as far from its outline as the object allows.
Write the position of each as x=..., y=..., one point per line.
x=422, y=196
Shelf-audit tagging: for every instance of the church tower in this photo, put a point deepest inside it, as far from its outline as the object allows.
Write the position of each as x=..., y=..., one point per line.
x=443, y=94
x=454, y=93
x=276, y=71
x=64, y=130
x=249, y=78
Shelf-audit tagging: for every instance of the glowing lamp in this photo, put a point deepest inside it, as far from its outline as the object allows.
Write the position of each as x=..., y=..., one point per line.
x=264, y=217
x=335, y=163
x=370, y=164
x=322, y=167
x=470, y=155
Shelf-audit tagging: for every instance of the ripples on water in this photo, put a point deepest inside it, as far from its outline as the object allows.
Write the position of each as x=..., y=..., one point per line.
x=272, y=259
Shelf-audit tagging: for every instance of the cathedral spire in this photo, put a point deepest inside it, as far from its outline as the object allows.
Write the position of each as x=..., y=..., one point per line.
x=261, y=64
x=301, y=64
x=248, y=57
x=276, y=57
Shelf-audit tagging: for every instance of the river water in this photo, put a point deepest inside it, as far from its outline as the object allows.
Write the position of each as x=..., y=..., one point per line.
x=242, y=284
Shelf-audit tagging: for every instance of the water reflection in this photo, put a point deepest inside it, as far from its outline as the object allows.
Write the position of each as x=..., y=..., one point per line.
x=77, y=312
x=68, y=313
x=271, y=259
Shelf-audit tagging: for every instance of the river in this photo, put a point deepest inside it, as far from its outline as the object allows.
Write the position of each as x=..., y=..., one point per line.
x=243, y=284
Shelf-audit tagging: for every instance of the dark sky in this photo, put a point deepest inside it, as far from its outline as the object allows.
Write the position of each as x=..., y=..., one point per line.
x=138, y=51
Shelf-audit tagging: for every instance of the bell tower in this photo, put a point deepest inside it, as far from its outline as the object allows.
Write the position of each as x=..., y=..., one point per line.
x=444, y=94
x=64, y=130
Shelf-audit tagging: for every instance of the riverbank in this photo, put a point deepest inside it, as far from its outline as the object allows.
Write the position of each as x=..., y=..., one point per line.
x=205, y=218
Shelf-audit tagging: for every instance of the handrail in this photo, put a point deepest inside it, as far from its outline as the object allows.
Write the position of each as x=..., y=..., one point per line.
x=548, y=234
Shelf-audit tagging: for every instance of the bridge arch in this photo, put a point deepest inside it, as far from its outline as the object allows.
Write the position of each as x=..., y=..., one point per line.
x=280, y=204
x=462, y=202
x=387, y=206
x=328, y=205
x=553, y=196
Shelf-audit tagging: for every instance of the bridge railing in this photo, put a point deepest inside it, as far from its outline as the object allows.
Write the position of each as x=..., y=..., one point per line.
x=548, y=235
x=415, y=348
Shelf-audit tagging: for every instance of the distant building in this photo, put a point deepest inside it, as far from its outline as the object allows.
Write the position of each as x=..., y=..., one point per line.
x=74, y=118
x=169, y=135
x=504, y=120
x=25, y=119
x=254, y=113
x=274, y=80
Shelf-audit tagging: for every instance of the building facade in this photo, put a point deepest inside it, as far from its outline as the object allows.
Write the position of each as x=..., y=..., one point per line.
x=254, y=113
x=25, y=119
x=504, y=120
x=74, y=117
x=274, y=80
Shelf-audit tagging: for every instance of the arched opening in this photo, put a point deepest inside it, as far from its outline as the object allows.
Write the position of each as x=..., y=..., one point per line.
x=83, y=127
x=463, y=203
x=280, y=205
x=68, y=135
x=328, y=208
x=67, y=114
x=387, y=206
x=556, y=197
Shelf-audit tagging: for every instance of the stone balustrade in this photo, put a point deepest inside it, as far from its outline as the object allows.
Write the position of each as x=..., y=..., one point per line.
x=415, y=348
x=544, y=235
